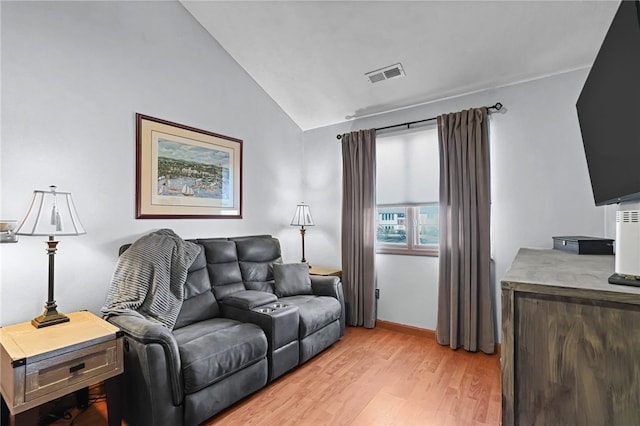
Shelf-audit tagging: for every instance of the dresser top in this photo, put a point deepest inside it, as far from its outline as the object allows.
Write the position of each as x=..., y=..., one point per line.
x=24, y=341
x=555, y=271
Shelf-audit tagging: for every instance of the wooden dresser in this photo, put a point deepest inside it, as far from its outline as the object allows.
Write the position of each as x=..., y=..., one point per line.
x=570, y=342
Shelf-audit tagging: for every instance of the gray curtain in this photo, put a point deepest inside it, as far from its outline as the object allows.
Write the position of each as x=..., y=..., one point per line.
x=465, y=312
x=358, y=226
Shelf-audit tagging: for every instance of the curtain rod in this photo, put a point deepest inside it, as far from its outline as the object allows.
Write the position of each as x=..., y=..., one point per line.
x=497, y=107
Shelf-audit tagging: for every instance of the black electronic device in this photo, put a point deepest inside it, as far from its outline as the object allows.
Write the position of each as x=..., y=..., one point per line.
x=624, y=280
x=609, y=111
x=583, y=245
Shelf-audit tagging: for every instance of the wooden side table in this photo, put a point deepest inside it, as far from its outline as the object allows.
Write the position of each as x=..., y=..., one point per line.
x=38, y=365
x=320, y=270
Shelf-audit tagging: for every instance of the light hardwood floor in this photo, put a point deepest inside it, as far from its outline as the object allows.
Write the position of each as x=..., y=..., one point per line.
x=372, y=377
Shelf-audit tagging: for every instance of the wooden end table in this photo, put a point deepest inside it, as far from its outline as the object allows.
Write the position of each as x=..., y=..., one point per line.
x=320, y=270
x=38, y=365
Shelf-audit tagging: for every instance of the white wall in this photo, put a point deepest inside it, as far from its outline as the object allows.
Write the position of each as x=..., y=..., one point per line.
x=73, y=76
x=540, y=187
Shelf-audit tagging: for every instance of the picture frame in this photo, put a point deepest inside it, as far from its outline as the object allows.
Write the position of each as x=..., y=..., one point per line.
x=8, y=231
x=186, y=173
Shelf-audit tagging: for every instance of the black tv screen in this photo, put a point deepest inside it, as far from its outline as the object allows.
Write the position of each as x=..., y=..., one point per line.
x=609, y=111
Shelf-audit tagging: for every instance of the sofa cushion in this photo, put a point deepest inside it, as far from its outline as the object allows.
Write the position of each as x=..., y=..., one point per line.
x=199, y=303
x=262, y=248
x=223, y=267
x=216, y=348
x=266, y=286
x=315, y=311
x=255, y=256
x=291, y=279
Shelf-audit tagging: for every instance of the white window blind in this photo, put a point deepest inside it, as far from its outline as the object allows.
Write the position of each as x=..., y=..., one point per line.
x=408, y=167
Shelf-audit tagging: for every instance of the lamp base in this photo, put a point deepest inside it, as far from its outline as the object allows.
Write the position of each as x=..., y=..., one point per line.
x=51, y=316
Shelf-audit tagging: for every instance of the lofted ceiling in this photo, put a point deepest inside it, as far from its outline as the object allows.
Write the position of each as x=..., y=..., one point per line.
x=311, y=56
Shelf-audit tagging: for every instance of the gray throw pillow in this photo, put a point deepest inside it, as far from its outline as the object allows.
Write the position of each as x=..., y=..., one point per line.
x=291, y=279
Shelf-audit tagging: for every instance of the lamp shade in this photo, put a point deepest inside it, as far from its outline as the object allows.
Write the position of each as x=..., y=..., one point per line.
x=51, y=213
x=302, y=217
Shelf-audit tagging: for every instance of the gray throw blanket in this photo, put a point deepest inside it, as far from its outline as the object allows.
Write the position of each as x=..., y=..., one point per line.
x=149, y=278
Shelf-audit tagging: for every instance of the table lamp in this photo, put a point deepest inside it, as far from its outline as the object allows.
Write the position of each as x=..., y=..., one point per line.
x=52, y=213
x=302, y=218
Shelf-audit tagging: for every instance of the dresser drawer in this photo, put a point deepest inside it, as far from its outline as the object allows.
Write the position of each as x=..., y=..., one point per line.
x=65, y=370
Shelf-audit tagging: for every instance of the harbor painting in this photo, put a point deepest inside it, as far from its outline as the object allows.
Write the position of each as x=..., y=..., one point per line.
x=186, y=172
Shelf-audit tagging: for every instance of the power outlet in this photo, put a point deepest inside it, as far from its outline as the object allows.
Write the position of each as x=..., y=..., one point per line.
x=377, y=293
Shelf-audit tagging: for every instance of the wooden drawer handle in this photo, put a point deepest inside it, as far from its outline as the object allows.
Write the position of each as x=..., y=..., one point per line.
x=76, y=368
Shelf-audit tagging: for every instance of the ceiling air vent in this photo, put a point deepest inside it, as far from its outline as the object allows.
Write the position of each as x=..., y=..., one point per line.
x=392, y=71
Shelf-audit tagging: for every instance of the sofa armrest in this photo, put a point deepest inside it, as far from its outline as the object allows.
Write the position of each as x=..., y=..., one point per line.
x=147, y=332
x=249, y=299
x=331, y=286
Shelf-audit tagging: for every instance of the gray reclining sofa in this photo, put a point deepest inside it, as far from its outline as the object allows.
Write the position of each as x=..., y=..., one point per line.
x=246, y=319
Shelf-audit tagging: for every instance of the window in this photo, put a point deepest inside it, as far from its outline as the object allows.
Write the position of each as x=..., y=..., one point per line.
x=407, y=230
x=407, y=180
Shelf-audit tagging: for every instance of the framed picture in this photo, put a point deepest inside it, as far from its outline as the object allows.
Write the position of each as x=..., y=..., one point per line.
x=183, y=172
x=8, y=231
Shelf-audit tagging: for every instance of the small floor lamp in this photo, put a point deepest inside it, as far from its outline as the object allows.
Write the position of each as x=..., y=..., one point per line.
x=302, y=218
x=52, y=213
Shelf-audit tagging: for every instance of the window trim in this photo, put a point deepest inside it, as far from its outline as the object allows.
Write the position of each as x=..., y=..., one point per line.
x=412, y=248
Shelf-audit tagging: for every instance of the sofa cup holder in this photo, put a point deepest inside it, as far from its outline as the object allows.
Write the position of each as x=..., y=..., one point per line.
x=272, y=308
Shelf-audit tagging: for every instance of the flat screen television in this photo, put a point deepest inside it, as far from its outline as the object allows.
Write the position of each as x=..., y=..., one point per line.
x=609, y=111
